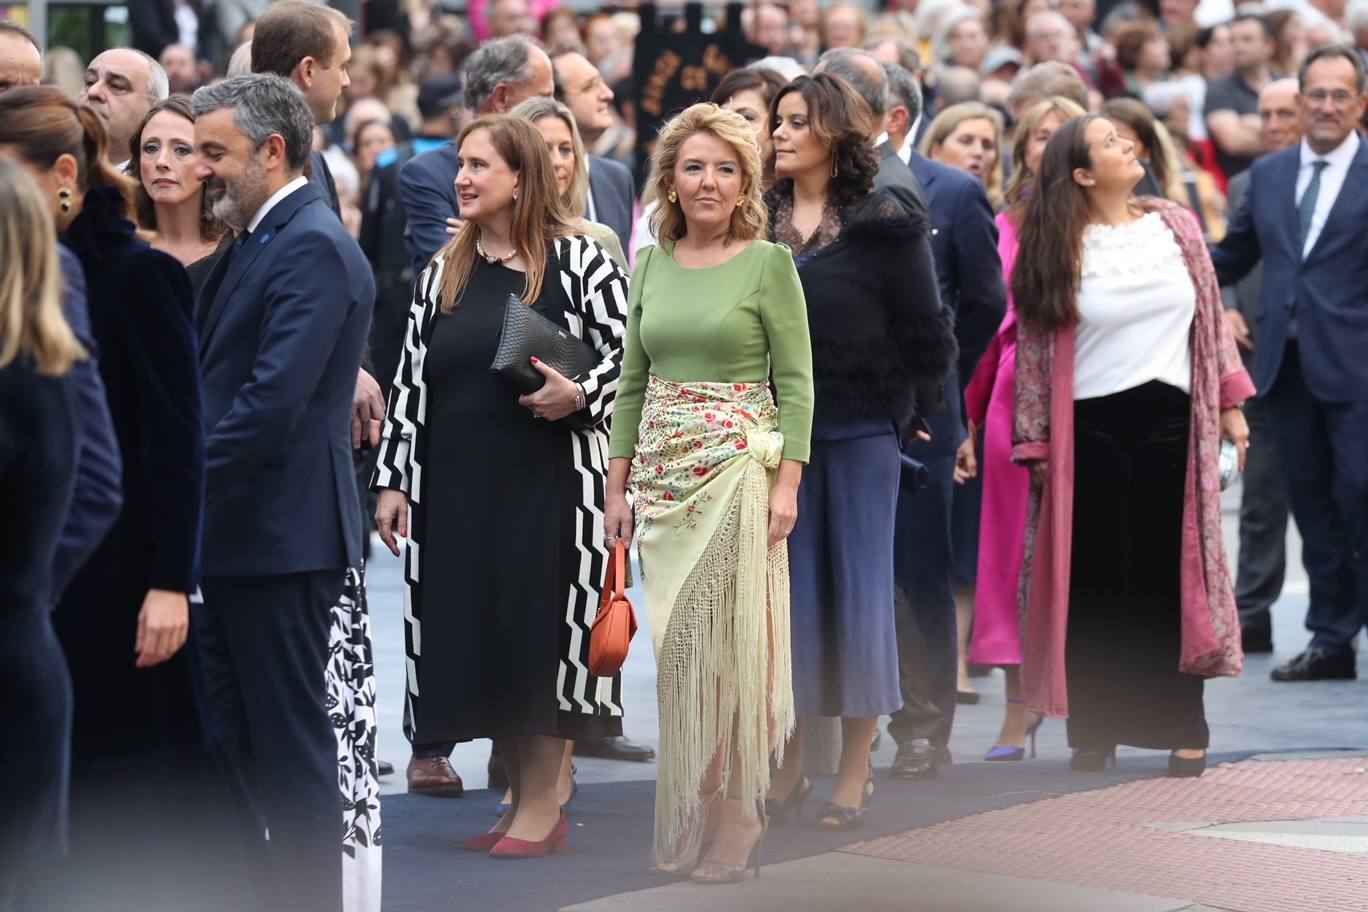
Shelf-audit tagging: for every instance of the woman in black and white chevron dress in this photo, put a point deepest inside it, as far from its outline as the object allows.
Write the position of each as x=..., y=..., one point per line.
x=496, y=500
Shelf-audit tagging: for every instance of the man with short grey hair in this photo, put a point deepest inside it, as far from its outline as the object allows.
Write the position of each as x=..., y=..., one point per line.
x=121, y=85
x=21, y=60
x=282, y=320
x=498, y=76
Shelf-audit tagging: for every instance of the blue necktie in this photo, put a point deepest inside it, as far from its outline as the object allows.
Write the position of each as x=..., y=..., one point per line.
x=1307, y=207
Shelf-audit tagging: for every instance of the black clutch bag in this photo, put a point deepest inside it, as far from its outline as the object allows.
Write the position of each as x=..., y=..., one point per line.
x=527, y=334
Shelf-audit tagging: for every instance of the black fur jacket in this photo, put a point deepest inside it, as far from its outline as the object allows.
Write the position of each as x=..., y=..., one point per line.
x=880, y=337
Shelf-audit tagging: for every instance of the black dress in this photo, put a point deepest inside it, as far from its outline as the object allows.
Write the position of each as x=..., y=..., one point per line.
x=500, y=500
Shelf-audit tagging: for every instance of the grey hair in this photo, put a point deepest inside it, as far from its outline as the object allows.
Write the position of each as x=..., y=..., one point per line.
x=842, y=62
x=263, y=104
x=158, y=84
x=950, y=22
x=240, y=64
x=507, y=61
x=904, y=90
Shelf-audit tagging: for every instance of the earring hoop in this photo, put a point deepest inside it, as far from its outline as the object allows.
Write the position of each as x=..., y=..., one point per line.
x=672, y=196
x=834, y=170
x=64, y=197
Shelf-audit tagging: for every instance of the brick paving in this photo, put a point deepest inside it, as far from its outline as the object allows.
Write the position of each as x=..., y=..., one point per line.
x=1138, y=837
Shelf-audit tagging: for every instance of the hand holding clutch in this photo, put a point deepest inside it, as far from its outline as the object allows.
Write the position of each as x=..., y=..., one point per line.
x=557, y=398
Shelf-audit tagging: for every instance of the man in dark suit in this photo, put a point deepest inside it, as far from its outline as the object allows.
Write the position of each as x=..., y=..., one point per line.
x=309, y=44
x=498, y=76
x=282, y=320
x=1304, y=218
x=1263, y=499
x=582, y=89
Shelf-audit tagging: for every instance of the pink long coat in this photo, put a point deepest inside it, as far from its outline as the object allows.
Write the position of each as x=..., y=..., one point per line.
x=990, y=403
x=1044, y=430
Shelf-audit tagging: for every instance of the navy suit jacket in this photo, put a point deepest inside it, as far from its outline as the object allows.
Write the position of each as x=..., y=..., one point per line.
x=282, y=321
x=1328, y=290
x=98, y=490
x=614, y=195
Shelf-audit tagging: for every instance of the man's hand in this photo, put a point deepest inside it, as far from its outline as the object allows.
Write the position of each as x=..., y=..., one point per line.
x=368, y=410
x=163, y=624
x=1239, y=329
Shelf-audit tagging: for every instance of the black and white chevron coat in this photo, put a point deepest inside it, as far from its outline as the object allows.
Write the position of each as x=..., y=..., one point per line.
x=596, y=288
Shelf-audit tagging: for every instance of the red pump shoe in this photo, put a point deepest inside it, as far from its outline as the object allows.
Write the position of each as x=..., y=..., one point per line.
x=557, y=841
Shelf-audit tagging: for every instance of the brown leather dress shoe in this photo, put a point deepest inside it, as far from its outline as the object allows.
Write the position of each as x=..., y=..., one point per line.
x=434, y=776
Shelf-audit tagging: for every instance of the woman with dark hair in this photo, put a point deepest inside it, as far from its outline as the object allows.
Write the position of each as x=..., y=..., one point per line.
x=169, y=198
x=878, y=331
x=749, y=92
x=145, y=805
x=1127, y=382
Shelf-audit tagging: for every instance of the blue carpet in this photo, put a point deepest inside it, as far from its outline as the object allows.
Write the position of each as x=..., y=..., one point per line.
x=610, y=836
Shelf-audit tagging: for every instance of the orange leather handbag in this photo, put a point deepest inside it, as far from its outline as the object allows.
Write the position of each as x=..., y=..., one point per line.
x=616, y=622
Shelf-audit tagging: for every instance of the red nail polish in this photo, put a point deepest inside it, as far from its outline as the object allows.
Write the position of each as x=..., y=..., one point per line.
x=535, y=361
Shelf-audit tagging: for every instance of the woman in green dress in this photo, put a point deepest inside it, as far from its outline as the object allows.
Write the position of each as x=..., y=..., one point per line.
x=714, y=465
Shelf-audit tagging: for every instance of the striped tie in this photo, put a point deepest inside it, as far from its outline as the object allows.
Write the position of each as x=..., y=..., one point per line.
x=1307, y=207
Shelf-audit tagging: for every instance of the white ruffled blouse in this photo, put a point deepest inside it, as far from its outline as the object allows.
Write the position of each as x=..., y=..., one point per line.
x=1136, y=304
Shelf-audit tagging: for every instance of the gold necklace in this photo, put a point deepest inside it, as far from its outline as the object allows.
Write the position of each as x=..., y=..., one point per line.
x=479, y=248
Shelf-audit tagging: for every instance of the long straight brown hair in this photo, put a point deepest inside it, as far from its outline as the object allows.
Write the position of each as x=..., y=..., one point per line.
x=1049, y=262
x=539, y=216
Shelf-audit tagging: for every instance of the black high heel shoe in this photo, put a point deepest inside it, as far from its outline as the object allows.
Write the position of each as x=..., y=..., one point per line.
x=1093, y=759
x=840, y=817
x=1186, y=767
x=777, y=810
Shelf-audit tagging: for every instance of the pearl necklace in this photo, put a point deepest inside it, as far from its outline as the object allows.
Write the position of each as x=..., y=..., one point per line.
x=500, y=260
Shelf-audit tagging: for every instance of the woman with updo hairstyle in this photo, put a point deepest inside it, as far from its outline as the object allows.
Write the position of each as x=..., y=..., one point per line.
x=169, y=198
x=143, y=781
x=714, y=464
x=879, y=334
x=988, y=404
x=749, y=92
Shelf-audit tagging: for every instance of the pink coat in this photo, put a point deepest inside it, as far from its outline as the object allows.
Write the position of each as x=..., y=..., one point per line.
x=1044, y=430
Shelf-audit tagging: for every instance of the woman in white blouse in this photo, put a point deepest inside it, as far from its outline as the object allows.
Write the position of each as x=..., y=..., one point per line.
x=1127, y=380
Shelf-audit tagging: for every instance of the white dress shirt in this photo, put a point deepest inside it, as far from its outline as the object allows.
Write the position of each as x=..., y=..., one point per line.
x=275, y=199
x=905, y=150
x=1332, y=180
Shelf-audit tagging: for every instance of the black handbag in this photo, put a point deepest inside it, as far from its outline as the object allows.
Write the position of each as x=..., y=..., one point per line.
x=527, y=334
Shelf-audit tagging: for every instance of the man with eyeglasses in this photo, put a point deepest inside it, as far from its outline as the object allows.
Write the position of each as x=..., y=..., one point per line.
x=1304, y=215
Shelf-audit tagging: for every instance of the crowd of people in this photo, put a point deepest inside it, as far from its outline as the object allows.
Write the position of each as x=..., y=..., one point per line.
x=928, y=345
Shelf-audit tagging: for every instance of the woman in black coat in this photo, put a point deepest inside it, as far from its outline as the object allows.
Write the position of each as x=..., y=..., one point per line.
x=878, y=334
x=140, y=771
x=38, y=447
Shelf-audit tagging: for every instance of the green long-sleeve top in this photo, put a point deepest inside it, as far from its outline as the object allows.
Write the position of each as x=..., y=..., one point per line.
x=744, y=321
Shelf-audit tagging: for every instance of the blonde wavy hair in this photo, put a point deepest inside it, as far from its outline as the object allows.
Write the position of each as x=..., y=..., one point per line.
x=949, y=120
x=31, y=320
x=750, y=219
x=534, y=110
x=1022, y=177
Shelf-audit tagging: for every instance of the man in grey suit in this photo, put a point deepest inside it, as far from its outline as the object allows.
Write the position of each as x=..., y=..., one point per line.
x=1263, y=502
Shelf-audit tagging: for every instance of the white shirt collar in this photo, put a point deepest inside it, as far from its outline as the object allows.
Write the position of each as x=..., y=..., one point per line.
x=904, y=151
x=275, y=199
x=1340, y=157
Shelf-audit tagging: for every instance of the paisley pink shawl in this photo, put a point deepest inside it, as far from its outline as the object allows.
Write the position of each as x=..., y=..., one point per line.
x=1044, y=430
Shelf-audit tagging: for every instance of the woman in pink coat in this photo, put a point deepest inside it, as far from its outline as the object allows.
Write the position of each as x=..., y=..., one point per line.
x=1006, y=486
x=1127, y=382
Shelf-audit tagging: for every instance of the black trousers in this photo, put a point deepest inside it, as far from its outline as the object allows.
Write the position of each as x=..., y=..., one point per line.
x=1323, y=451
x=1263, y=527
x=263, y=644
x=1124, y=631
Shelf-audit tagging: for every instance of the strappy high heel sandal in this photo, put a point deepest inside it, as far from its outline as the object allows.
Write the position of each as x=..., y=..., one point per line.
x=840, y=817
x=777, y=810
x=1006, y=752
x=713, y=873
x=694, y=843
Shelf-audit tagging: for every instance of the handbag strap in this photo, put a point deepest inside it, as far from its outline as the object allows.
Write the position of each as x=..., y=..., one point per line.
x=619, y=569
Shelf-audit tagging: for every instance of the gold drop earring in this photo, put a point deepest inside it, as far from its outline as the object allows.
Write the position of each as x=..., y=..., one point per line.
x=672, y=196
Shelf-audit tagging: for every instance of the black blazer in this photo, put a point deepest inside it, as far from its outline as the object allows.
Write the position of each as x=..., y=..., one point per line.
x=282, y=320
x=613, y=196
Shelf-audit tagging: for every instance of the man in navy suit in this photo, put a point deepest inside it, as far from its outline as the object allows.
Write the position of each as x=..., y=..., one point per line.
x=282, y=321
x=1304, y=214
x=498, y=76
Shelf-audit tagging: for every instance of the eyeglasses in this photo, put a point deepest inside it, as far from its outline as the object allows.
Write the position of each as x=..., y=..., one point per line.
x=1341, y=97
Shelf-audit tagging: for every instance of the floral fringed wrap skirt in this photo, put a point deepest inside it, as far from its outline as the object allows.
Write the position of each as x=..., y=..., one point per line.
x=716, y=595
